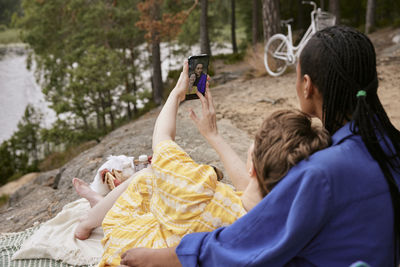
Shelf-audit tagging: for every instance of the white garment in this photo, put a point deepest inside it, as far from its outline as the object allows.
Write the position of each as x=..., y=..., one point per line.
x=119, y=163
x=55, y=239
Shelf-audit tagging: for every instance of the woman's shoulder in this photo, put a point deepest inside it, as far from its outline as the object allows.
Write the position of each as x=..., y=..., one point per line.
x=343, y=167
x=349, y=158
x=350, y=152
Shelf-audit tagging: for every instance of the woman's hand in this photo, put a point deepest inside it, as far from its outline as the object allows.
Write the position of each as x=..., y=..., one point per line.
x=181, y=87
x=207, y=124
x=147, y=257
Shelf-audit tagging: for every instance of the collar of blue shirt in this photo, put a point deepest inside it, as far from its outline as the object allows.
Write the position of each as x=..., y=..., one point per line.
x=342, y=134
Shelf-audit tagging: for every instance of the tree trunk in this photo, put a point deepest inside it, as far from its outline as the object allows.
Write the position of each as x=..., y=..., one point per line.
x=135, y=110
x=110, y=112
x=300, y=15
x=370, y=18
x=80, y=111
x=127, y=84
x=34, y=143
x=334, y=8
x=103, y=113
x=204, y=41
x=98, y=120
x=128, y=104
x=254, y=23
x=157, y=78
x=233, y=27
x=271, y=18
x=134, y=86
x=156, y=60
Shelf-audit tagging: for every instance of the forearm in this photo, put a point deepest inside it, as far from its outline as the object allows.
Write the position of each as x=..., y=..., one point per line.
x=165, y=127
x=96, y=214
x=234, y=166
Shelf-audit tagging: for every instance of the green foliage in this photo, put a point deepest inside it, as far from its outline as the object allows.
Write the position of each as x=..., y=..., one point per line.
x=58, y=159
x=7, y=9
x=6, y=163
x=218, y=24
x=230, y=59
x=9, y=36
x=387, y=13
x=20, y=154
x=190, y=30
x=244, y=15
x=3, y=199
x=172, y=78
x=16, y=176
x=87, y=58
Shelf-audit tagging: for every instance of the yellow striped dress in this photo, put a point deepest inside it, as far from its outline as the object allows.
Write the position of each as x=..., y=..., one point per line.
x=174, y=197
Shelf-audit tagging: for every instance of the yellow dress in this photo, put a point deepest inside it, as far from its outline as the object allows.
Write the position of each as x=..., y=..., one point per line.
x=174, y=197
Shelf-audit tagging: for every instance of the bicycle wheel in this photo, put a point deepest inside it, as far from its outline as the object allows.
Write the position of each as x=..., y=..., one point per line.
x=276, y=55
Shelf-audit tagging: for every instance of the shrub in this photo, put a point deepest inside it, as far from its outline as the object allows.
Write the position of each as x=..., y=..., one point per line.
x=3, y=199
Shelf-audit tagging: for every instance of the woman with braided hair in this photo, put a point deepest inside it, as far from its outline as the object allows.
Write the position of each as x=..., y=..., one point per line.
x=338, y=207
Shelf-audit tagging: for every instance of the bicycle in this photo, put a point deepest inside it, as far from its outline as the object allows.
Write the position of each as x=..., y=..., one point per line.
x=280, y=52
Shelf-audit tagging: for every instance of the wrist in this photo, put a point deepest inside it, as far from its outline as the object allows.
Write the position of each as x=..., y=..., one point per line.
x=214, y=139
x=175, y=94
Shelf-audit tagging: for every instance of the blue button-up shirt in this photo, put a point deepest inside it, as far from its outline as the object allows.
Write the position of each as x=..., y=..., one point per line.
x=332, y=209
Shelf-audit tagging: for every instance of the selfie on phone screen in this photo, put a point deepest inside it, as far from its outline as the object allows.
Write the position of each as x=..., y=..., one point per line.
x=198, y=66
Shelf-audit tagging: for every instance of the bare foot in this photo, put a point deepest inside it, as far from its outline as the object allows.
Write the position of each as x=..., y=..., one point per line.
x=148, y=257
x=83, y=231
x=84, y=190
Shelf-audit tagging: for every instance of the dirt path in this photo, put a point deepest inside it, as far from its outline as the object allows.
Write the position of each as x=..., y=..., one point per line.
x=13, y=186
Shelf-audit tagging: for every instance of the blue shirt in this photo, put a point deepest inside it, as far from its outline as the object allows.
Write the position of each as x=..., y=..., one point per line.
x=330, y=210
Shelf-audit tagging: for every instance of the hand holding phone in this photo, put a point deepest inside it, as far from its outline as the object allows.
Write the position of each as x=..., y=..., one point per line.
x=198, y=68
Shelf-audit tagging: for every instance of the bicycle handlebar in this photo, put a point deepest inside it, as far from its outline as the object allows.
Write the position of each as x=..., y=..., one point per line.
x=310, y=3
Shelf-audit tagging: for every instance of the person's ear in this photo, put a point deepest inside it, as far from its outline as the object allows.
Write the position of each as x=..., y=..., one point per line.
x=308, y=87
x=251, y=171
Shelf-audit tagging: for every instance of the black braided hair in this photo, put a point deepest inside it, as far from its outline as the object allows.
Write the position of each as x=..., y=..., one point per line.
x=340, y=62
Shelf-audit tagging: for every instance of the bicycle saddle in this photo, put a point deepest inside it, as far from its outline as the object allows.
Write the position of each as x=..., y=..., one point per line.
x=286, y=22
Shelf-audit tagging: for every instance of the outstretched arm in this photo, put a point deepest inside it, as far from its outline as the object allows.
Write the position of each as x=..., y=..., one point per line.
x=207, y=126
x=165, y=127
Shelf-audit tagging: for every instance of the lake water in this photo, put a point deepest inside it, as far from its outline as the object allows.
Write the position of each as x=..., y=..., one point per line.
x=18, y=88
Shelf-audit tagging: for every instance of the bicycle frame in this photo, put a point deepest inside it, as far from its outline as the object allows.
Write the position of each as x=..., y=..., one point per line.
x=294, y=51
x=280, y=51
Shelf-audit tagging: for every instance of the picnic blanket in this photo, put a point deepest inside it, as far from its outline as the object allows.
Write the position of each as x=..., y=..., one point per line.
x=53, y=243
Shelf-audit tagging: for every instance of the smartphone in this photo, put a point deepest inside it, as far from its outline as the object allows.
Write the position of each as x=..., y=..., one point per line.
x=198, y=69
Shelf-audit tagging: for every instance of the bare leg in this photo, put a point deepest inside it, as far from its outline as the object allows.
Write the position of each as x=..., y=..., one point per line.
x=96, y=214
x=84, y=190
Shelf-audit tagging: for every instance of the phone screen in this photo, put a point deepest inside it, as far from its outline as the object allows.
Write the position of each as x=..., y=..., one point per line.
x=198, y=68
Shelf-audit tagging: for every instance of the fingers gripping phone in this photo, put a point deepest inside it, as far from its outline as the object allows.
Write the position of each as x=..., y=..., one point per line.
x=198, y=68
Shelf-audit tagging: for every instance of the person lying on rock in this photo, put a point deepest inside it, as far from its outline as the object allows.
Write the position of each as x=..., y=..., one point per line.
x=177, y=196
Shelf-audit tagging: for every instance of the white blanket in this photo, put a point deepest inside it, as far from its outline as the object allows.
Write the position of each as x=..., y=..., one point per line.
x=55, y=239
